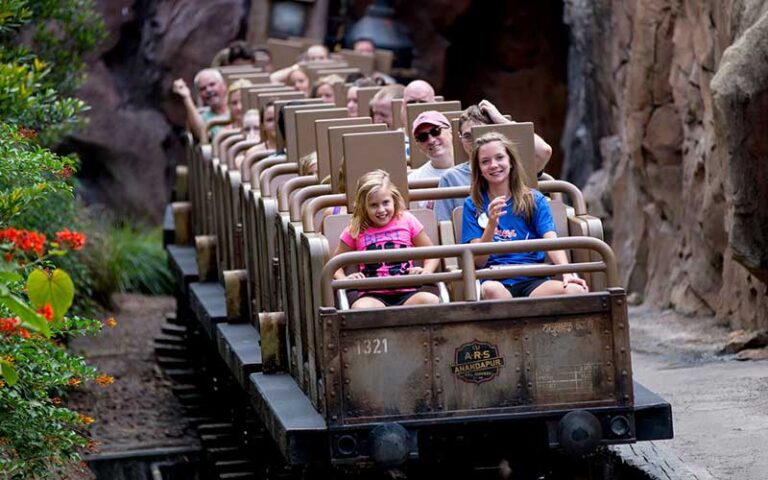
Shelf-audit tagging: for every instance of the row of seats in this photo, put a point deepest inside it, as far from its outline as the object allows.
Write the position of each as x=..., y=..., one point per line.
x=261, y=229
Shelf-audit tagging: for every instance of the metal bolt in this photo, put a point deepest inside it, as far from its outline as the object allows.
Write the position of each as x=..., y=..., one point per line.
x=437, y=375
x=607, y=347
x=343, y=334
x=439, y=407
x=426, y=375
x=437, y=359
x=332, y=370
x=334, y=417
x=333, y=394
x=346, y=381
x=619, y=302
x=519, y=385
x=423, y=329
x=439, y=390
x=330, y=346
x=517, y=369
x=343, y=323
x=329, y=322
x=345, y=350
x=624, y=373
x=626, y=397
x=623, y=350
x=530, y=385
x=425, y=344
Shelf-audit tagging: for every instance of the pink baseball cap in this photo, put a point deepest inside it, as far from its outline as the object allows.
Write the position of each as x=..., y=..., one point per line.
x=431, y=117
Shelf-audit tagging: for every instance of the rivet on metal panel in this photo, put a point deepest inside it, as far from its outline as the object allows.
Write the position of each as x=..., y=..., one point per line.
x=623, y=350
x=333, y=394
x=346, y=381
x=610, y=395
x=621, y=326
x=423, y=329
x=626, y=397
x=437, y=375
x=426, y=360
x=427, y=393
x=606, y=332
x=519, y=385
x=334, y=417
x=439, y=407
x=608, y=364
x=331, y=346
x=346, y=365
x=624, y=373
x=525, y=338
x=332, y=370
x=426, y=375
x=344, y=323
x=345, y=350
x=607, y=347
x=527, y=369
x=425, y=345
x=437, y=359
x=517, y=369
x=439, y=390
x=435, y=344
x=610, y=379
x=343, y=334
x=528, y=353
x=329, y=322
x=620, y=302
x=517, y=354
x=530, y=385
x=349, y=396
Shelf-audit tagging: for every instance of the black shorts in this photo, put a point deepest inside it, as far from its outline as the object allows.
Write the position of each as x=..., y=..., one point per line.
x=524, y=288
x=395, y=298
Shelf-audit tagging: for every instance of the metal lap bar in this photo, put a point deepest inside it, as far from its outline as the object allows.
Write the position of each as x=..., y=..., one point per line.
x=468, y=272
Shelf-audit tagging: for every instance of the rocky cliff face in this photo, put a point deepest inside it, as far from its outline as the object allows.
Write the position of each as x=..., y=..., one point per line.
x=132, y=141
x=674, y=91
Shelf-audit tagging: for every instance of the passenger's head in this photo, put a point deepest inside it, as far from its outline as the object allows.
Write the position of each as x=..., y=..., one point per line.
x=235, y=95
x=308, y=164
x=262, y=58
x=323, y=88
x=299, y=80
x=418, y=91
x=471, y=117
x=317, y=53
x=267, y=115
x=495, y=161
x=352, y=94
x=212, y=89
x=251, y=125
x=381, y=104
x=240, y=53
x=432, y=132
x=377, y=202
x=364, y=46
x=281, y=117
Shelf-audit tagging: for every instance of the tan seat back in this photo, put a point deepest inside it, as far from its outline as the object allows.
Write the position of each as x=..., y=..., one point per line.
x=383, y=61
x=306, y=141
x=362, y=62
x=364, y=97
x=284, y=52
x=365, y=152
x=322, y=142
x=336, y=147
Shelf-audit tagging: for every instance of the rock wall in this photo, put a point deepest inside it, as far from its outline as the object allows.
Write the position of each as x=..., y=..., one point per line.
x=675, y=92
x=132, y=141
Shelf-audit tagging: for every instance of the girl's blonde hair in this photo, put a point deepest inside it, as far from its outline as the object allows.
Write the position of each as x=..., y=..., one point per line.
x=238, y=84
x=367, y=184
x=522, y=197
x=306, y=162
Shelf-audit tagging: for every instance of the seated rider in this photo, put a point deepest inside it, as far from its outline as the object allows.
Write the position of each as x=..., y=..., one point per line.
x=502, y=208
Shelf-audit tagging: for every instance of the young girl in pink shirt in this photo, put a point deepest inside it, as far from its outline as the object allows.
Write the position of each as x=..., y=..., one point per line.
x=381, y=222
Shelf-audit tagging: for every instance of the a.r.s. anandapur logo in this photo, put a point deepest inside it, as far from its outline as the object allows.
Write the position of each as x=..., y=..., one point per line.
x=477, y=362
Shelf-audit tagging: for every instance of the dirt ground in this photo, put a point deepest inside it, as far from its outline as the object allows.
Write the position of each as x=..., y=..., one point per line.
x=719, y=404
x=139, y=410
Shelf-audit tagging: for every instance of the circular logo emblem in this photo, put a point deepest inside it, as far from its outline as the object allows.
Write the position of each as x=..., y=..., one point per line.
x=482, y=220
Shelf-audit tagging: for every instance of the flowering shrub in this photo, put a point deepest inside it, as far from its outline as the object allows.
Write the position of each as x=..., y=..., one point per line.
x=39, y=435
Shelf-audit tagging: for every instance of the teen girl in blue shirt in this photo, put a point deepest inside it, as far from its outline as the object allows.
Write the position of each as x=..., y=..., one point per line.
x=502, y=208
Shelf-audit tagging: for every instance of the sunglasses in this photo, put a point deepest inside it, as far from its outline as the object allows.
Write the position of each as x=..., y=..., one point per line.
x=424, y=136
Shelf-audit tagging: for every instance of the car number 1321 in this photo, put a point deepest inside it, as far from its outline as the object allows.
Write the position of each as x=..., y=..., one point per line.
x=372, y=346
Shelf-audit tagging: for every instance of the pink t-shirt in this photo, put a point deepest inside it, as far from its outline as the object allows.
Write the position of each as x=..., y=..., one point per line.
x=398, y=233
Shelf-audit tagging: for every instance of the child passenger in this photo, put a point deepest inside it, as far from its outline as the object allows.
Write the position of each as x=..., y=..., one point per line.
x=381, y=222
x=502, y=208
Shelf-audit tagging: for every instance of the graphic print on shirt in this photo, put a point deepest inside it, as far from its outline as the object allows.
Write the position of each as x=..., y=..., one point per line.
x=384, y=268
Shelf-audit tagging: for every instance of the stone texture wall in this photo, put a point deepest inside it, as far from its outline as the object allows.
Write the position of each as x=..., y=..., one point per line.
x=672, y=93
x=132, y=141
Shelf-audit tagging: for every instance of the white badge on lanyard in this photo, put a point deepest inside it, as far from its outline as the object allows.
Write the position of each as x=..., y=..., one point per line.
x=482, y=220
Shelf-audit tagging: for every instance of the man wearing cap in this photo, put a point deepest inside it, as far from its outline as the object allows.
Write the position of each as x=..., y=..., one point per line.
x=432, y=132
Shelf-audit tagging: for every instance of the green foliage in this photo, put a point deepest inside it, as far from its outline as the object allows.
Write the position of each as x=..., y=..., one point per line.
x=124, y=259
x=42, y=45
x=51, y=288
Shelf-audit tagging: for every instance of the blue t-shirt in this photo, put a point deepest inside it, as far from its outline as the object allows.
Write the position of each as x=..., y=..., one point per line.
x=457, y=176
x=510, y=227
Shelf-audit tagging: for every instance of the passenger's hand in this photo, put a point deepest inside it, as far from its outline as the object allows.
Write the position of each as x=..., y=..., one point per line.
x=496, y=210
x=572, y=278
x=180, y=88
x=415, y=271
x=493, y=113
x=355, y=276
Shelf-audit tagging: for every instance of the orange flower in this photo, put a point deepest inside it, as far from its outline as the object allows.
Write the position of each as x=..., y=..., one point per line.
x=110, y=322
x=85, y=419
x=24, y=333
x=8, y=325
x=2, y=383
x=105, y=380
x=71, y=240
x=65, y=172
x=74, y=381
x=8, y=257
x=46, y=311
x=56, y=400
x=27, y=133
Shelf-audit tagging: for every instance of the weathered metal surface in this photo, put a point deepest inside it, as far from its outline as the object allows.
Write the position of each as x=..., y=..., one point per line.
x=273, y=342
x=239, y=347
x=205, y=247
x=473, y=359
x=236, y=289
x=208, y=305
